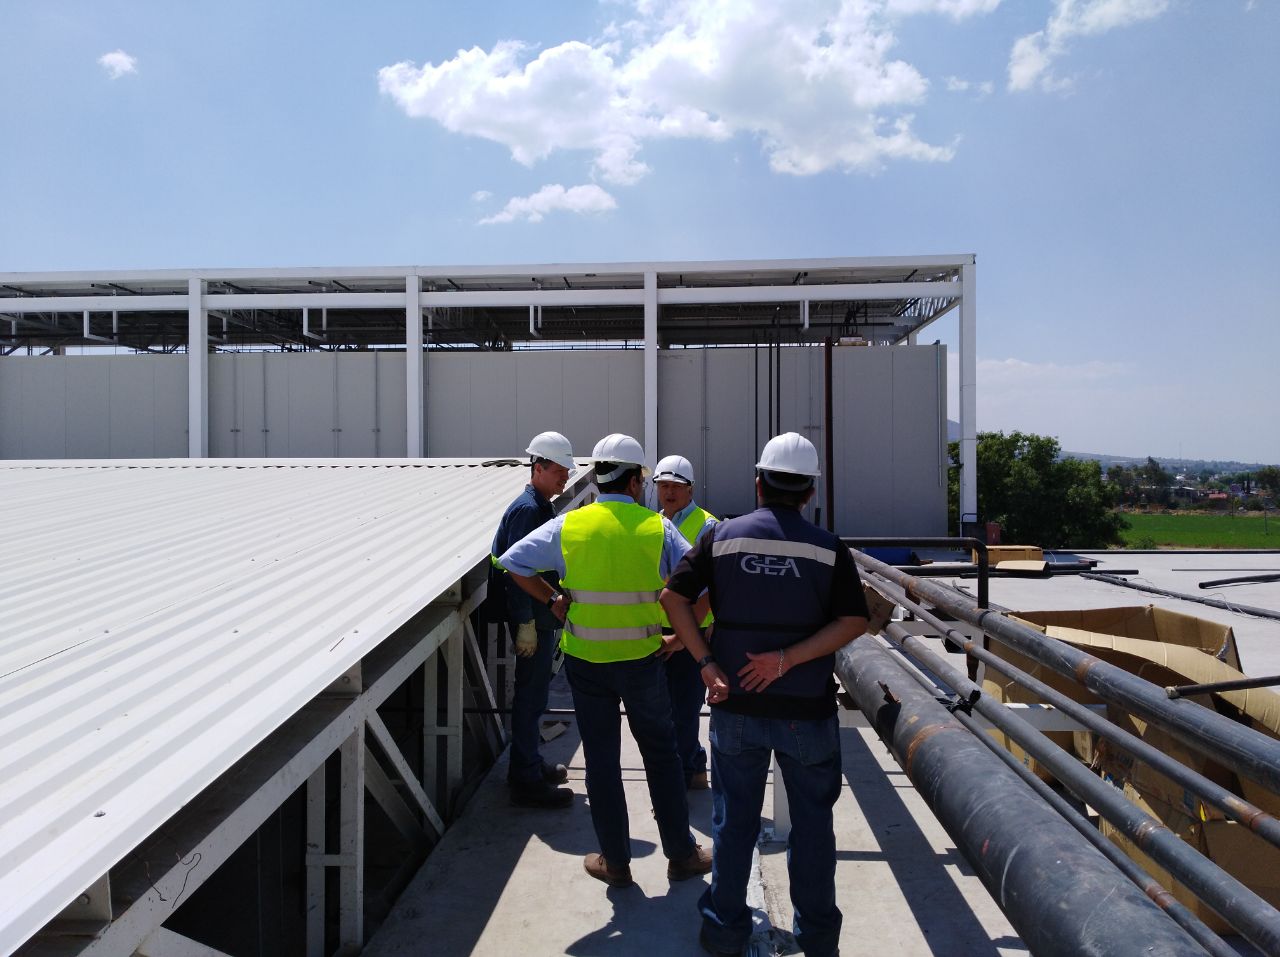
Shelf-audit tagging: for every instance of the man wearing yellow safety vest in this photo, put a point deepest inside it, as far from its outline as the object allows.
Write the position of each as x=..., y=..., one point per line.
x=533, y=781
x=673, y=478
x=613, y=558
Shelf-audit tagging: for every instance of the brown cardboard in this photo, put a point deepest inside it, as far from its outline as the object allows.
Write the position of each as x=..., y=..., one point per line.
x=1004, y=553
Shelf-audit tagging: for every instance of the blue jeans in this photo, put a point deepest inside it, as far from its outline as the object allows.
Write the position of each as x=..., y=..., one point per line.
x=808, y=755
x=641, y=687
x=684, y=682
x=528, y=703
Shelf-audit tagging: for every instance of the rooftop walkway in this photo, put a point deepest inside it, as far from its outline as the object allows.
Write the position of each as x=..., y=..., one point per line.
x=507, y=880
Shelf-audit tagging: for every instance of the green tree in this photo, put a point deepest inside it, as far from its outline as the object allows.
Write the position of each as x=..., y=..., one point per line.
x=1268, y=477
x=1037, y=498
x=1125, y=481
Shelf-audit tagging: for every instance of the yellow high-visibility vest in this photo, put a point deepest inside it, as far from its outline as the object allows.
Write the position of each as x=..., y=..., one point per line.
x=689, y=528
x=612, y=558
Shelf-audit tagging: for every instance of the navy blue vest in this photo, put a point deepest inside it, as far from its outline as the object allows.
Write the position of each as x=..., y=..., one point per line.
x=772, y=574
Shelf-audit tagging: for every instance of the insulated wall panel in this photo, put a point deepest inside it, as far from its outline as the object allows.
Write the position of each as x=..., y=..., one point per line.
x=357, y=405
x=88, y=398
x=392, y=413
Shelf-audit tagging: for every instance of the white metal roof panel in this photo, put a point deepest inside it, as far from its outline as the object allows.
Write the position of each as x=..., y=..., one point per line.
x=159, y=619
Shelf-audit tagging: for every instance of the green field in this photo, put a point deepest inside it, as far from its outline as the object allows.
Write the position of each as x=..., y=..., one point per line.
x=1202, y=531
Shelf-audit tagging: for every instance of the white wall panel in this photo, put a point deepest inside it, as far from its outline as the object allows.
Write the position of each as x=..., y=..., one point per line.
x=88, y=407
x=311, y=382
x=357, y=405
x=392, y=414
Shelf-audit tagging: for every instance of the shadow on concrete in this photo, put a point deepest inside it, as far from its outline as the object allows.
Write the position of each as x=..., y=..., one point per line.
x=665, y=924
x=946, y=921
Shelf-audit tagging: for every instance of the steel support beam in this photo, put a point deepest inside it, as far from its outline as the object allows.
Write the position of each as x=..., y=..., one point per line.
x=197, y=371
x=351, y=842
x=651, y=368
x=415, y=394
x=968, y=396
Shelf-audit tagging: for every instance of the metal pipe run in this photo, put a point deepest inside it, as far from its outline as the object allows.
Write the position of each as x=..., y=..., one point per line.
x=1232, y=805
x=1239, y=906
x=1060, y=894
x=1241, y=684
x=1231, y=744
x=1187, y=920
x=977, y=544
x=1164, y=592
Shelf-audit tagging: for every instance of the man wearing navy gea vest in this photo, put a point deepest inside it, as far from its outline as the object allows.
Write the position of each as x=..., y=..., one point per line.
x=786, y=597
x=612, y=558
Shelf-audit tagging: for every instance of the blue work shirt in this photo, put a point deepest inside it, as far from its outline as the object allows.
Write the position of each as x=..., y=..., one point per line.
x=678, y=519
x=522, y=516
x=540, y=551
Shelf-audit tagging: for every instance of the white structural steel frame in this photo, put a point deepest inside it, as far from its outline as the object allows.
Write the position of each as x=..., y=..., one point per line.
x=174, y=861
x=649, y=297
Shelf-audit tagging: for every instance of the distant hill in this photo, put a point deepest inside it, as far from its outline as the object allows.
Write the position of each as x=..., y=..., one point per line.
x=1180, y=465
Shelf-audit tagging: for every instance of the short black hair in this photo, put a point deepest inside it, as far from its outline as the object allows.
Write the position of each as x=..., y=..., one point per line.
x=618, y=486
x=536, y=460
x=771, y=494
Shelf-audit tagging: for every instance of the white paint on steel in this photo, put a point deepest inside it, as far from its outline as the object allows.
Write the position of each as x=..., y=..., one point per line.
x=968, y=395
x=651, y=369
x=197, y=371
x=414, y=390
x=160, y=619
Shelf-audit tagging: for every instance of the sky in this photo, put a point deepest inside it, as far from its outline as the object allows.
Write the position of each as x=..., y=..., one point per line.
x=1111, y=163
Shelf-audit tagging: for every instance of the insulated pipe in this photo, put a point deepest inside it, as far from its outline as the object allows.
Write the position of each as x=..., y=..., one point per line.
x=1235, y=807
x=1187, y=920
x=1239, y=906
x=1239, y=748
x=1061, y=895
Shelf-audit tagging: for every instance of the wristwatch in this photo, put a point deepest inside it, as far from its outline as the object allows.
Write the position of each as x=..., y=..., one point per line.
x=706, y=660
x=555, y=597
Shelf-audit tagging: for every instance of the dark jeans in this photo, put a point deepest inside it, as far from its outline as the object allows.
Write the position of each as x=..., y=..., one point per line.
x=641, y=687
x=684, y=681
x=528, y=703
x=808, y=755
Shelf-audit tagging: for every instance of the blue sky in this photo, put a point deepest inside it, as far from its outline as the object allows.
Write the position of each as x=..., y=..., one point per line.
x=1112, y=164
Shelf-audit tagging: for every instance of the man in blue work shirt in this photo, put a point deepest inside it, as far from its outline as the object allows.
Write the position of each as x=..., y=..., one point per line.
x=673, y=480
x=533, y=781
x=613, y=557
x=786, y=597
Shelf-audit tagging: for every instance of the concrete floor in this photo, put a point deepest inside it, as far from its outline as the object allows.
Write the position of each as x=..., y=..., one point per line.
x=508, y=880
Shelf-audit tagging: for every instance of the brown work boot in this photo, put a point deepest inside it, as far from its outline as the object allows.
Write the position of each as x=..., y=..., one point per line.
x=615, y=875
x=699, y=862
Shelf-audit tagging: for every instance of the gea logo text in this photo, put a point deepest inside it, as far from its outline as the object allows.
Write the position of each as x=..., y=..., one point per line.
x=768, y=565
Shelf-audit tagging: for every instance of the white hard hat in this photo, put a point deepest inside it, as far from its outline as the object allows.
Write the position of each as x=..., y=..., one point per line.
x=616, y=451
x=674, y=468
x=553, y=447
x=790, y=454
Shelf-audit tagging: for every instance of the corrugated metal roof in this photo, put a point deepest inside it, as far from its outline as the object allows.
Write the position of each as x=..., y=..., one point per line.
x=159, y=619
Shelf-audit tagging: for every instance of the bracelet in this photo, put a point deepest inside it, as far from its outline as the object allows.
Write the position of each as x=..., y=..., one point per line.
x=781, y=652
x=706, y=660
x=555, y=597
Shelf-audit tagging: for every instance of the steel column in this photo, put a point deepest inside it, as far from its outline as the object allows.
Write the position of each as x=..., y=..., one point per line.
x=415, y=403
x=968, y=396
x=651, y=369
x=197, y=371
x=351, y=843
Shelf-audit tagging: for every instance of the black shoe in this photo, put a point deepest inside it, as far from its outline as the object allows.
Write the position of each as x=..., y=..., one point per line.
x=713, y=950
x=540, y=795
x=554, y=773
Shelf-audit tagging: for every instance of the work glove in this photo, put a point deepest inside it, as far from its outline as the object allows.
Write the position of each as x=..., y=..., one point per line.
x=526, y=639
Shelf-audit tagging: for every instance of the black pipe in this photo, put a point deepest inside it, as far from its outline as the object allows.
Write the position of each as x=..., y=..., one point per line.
x=1240, y=684
x=1060, y=894
x=1234, y=806
x=1211, y=602
x=1216, y=736
x=1242, y=580
x=977, y=544
x=1257, y=920
x=1187, y=920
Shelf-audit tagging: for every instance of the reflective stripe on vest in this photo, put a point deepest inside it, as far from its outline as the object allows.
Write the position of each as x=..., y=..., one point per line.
x=773, y=548
x=612, y=558
x=693, y=524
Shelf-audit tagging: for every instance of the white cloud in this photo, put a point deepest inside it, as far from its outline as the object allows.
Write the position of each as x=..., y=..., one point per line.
x=956, y=9
x=813, y=81
x=957, y=84
x=117, y=63
x=480, y=195
x=576, y=199
x=1032, y=56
